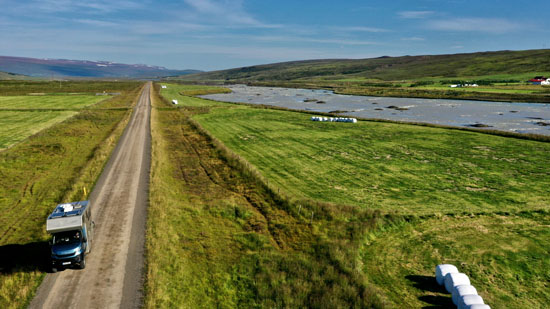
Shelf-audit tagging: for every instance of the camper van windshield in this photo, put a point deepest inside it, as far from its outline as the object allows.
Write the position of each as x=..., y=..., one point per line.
x=66, y=237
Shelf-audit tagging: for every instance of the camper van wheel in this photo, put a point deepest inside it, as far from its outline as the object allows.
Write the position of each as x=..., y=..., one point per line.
x=54, y=269
x=82, y=264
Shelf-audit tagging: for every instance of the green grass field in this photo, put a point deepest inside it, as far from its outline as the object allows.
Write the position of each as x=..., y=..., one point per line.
x=8, y=87
x=22, y=116
x=392, y=167
x=58, y=164
x=505, y=257
x=17, y=126
x=476, y=200
x=219, y=237
x=183, y=93
x=49, y=102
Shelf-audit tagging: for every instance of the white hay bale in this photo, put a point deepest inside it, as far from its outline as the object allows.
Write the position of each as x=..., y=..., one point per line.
x=467, y=301
x=478, y=306
x=454, y=279
x=354, y=120
x=461, y=290
x=441, y=270
x=175, y=102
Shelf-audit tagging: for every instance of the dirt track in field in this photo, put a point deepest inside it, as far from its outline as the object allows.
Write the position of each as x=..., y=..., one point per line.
x=113, y=277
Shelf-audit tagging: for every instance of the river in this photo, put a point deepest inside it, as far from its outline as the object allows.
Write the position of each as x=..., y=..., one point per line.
x=531, y=118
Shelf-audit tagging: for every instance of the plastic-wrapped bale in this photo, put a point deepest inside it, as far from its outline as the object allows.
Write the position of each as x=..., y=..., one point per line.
x=461, y=290
x=443, y=269
x=354, y=120
x=467, y=301
x=454, y=279
x=479, y=306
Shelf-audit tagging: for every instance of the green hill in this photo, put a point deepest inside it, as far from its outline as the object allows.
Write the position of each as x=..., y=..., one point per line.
x=501, y=63
x=12, y=76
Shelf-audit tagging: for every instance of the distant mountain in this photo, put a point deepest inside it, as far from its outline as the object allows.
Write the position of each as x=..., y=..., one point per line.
x=391, y=68
x=82, y=68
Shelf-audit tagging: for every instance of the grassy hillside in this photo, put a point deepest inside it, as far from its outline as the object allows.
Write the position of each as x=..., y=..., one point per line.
x=475, y=200
x=511, y=64
x=12, y=76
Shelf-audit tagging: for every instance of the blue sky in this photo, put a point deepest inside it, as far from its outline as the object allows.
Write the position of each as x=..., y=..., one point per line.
x=219, y=34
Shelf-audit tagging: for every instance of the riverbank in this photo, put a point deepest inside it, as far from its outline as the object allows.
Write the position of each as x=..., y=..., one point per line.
x=402, y=89
x=523, y=118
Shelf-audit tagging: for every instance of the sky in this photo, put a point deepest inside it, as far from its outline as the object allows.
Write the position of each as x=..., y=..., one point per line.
x=220, y=34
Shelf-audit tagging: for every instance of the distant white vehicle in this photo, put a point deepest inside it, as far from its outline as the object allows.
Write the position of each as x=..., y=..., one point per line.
x=175, y=102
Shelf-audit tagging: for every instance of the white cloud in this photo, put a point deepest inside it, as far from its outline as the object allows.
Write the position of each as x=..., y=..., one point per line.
x=360, y=29
x=487, y=25
x=415, y=14
x=229, y=13
x=414, y=39
x=96, y=23
x=92, y=6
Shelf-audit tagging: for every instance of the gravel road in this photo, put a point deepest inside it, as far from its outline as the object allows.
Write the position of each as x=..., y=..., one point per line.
x=113, y=277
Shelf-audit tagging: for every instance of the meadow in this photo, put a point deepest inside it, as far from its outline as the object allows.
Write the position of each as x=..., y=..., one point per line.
x=22, y=116
x=219, y=237
x=63, y=87
x=395, y=200
x=48, y=102
x=58, y=164
x=505, y=257
x=400, y=168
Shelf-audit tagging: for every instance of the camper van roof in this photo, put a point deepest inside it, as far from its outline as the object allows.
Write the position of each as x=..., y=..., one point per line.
x=69, y=209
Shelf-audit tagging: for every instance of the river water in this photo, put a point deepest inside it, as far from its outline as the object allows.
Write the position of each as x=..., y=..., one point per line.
x=513, y=117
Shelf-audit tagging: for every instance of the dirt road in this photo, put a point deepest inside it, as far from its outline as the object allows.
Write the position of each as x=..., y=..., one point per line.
x=113, y=274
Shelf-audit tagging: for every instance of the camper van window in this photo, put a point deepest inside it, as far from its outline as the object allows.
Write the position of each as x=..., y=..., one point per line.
x=66, y=237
